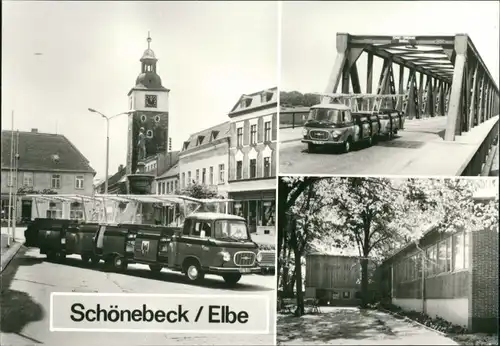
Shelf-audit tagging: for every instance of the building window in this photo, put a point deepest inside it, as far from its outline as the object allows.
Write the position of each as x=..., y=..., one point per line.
x=55, y=182
x=267, y=167
x=76, y=211
x=183, y=181
x=164, y=188
x=55, y=210
x=239, y=169
x=211, y=175
x=441, y=252
x=28, y=179
x=268, y=208
x=11, y=180
x=239, y=137
x=449, y=252
x=222, y=174
x=175, y=186
x=253, y=168
x=197, y=176
x=204, y=176
x=189, y=178
x=431, y=260
x=79, y=182
x=466, y=250
x=346, y=295
x=459, y=253
x=267, y=131
x=253, y=134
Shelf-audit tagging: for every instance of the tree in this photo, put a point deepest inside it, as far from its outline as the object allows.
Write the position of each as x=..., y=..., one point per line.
x=200, y=191
x=289, y=189
x=295, y=98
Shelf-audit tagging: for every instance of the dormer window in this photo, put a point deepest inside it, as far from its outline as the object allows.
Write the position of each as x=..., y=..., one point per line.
x=246, y=101
x=200, y=140
x=266, y=96
x=186, y=145
x=214, y=135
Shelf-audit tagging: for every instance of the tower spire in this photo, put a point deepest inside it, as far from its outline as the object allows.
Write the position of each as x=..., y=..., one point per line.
x=149, y=40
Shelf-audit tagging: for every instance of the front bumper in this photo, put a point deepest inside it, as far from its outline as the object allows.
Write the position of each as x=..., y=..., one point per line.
x=234, y=270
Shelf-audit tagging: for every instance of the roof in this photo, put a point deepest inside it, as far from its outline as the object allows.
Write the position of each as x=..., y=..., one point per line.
x=206, y=136
x=45, y=152
x=294, y=110
x=340, y=106
x=257, y=99
x=171, y=172
x=216, y=216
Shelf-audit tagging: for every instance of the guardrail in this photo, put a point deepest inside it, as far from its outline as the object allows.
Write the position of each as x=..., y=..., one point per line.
x=292, y=120
x=475, y=165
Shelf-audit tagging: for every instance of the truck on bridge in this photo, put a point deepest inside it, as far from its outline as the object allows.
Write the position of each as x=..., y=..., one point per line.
x=353, y=119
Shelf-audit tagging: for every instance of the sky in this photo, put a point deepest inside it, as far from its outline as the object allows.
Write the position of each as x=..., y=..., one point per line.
x=309, y=30
x=209, y=54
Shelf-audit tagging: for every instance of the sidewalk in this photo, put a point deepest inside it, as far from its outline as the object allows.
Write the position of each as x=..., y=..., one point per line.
x=352, y=326
x=7, y=253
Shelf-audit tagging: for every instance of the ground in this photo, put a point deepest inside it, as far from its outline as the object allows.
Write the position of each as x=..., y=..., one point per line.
x=29, y=279
x=352, y=326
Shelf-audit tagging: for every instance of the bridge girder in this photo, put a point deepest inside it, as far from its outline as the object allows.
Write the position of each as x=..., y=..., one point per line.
x=458, y=83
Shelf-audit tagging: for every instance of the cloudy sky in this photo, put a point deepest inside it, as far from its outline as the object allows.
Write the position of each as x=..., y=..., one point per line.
x=209, y=54
x=309, y=30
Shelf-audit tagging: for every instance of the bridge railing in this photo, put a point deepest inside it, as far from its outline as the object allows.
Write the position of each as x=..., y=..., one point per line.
x=475, y=164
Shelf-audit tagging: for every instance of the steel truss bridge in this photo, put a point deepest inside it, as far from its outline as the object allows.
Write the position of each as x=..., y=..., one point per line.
x=457, y=81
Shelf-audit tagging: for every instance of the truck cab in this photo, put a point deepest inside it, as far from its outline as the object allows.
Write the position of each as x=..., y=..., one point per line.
x=334, y=125
x=214, y=243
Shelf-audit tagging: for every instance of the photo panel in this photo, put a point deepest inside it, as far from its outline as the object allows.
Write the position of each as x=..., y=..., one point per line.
x=366, y=96
x=139, y=182
x=373, y=261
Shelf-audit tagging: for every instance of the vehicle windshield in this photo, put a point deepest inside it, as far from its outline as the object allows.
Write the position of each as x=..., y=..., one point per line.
x=231, y=229
x=332, y=116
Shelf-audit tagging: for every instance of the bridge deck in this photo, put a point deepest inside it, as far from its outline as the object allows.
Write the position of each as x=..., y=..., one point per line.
x=419, y=150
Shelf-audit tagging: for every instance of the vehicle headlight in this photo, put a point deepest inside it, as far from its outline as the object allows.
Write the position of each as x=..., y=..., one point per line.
x=305, y=132
x=335, y=133
x=259, y=257
x=226, y=256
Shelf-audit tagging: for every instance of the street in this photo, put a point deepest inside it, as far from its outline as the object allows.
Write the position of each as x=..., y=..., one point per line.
x=384, y=157
x=352, y=326
x=29, y=279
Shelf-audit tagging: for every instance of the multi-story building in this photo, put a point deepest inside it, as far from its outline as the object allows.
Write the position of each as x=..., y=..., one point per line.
x=48, y=163
x=449, y=275
x=252, y=160
x=204, y=159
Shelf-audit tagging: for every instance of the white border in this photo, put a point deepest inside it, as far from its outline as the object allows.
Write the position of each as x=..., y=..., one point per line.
x=164, y=331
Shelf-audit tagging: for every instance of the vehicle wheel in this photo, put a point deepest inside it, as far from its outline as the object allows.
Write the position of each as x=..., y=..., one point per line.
x=85, y=258
x=232, y=279
x=118, y=263
x=95, y=260
x=370, y=141
x=311, y=148
x=193, y=272
x=347, y=145
x=51, y=256
x=155, y=268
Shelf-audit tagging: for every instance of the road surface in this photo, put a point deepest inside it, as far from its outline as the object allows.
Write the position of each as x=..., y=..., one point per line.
x=29, y=279
x=384, y=157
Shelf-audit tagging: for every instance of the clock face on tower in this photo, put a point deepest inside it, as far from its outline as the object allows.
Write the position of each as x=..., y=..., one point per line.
x=151, y=101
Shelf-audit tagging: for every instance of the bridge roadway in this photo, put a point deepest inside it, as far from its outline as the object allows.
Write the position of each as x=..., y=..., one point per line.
x=418, y=150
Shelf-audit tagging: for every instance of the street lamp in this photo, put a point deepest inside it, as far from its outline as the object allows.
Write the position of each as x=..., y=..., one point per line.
x=107, y=141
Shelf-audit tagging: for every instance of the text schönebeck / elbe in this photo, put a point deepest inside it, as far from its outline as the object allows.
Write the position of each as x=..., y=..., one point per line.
x=160, y=313
x=102, y=313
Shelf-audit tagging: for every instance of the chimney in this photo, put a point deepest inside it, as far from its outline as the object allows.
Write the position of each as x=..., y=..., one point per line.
x=34, y=130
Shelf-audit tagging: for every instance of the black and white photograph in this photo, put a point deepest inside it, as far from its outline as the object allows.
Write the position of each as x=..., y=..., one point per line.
x=389, y=88
x=387, y=261
x=139, y=158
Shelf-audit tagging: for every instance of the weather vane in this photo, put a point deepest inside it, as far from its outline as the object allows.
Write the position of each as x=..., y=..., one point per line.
x=149, y=40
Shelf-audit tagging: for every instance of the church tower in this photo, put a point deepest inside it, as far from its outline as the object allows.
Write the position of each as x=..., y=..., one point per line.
x=148, y=123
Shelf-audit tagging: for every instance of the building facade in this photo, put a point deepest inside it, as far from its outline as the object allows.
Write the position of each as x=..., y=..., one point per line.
x=204, y=159
x=252, y=160
x=48, y=163
x=449, y=275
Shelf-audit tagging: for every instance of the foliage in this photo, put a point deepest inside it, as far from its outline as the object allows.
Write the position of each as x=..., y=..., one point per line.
x=268, y=247
x=295, y=98
x=200, y=191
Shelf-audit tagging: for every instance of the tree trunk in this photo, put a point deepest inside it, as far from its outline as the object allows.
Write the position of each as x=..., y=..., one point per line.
x=283, y=192
x=298, y=281
x=364, y=282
